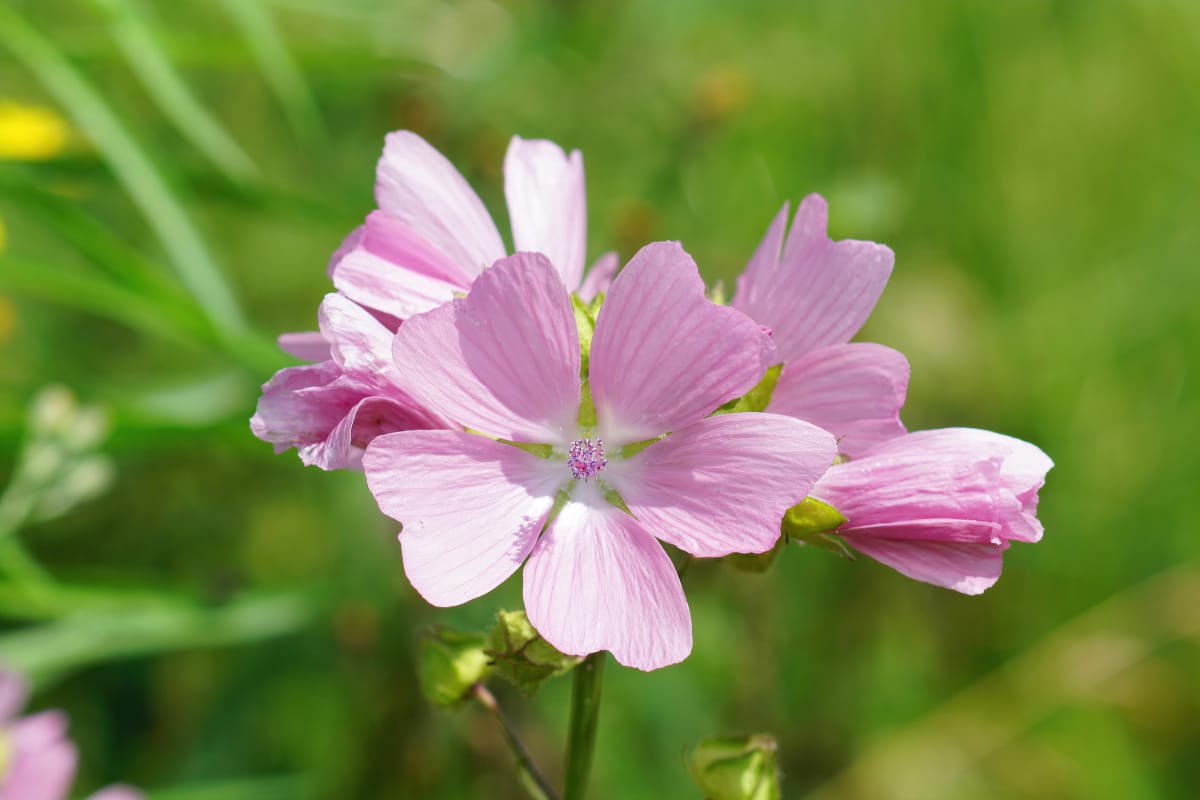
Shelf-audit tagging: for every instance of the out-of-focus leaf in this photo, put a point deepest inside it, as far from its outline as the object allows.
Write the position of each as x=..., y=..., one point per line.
x=451, y=662
x=166, y=87
x=280, y=788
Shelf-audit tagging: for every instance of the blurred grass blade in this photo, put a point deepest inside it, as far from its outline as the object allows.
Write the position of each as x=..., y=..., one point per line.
x=47, y=652
x=133, y=168
x=167, y=88
x=283, y=788
x=279, y=69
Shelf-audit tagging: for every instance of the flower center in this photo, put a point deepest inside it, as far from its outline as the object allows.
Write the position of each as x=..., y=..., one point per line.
x=586, y=459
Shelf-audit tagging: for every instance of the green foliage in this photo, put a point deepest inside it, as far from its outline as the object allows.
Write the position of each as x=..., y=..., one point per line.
x=521, y=655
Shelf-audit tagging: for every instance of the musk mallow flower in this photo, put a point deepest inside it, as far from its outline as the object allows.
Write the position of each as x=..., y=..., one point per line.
x=940, y=506
x=505, y=363
x=37, y=760
x=815, y=294
x=431, y=234
x=331, y=409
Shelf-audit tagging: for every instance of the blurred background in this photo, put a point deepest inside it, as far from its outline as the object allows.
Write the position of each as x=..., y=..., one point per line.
x=222, y=623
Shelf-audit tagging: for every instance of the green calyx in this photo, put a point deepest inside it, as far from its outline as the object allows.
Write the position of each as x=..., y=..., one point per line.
x=521, y=655
x=450, y=664
x=736, y=768
x=812, y=522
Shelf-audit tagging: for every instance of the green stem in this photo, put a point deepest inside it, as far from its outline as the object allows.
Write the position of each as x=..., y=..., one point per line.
x=581, y=738
x=527, y=772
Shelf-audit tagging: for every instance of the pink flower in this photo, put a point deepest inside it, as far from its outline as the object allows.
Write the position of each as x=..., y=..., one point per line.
x=431, y=235
x=940, y=506
x=37, y=760
x=330, y=410
x=505, y=361
x=814, y=294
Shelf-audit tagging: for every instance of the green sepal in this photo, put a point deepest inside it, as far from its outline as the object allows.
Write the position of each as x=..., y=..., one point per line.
x=716, y=293
x=810, y=517
x=587, y=409
x=451, y=662
x=736, y=768
x=830, y=543
x=521, y=655
x=585, y=324
x=758, y=398
x=539, y=450
x=756, y=562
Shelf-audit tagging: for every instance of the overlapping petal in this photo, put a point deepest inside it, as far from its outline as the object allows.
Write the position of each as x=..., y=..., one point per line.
x=663, y=355
x=547, y=205
x=723, y=484
x=854, y=391
x=505, y=359
x=817, y=292
x=964, y=567
x=418, y=186
x=597, y=581
x=599, y=277
x=471, y=507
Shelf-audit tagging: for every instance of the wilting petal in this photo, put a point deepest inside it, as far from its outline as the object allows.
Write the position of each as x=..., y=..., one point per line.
x=307, y=346
x=41, y=760
x=599, y=277
x=419, y=187
x=854, y=391
x=820, y=292
x=966, y=568
x=597, y=581
x=504, y=360
x=663, y=355
x=547, y=205
x=471, y=507
x=723, y=484
x=389, y=267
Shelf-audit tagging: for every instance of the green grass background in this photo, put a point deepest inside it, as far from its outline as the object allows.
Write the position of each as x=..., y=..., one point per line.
x=1034, y=165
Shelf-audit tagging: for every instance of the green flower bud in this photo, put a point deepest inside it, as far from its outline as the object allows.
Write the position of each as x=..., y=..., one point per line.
x=520, y=654
x=451, y=662
x=736, y=768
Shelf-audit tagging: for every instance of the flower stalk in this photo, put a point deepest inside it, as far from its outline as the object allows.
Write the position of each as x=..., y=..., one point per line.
x=527, y=772
x=581, y=737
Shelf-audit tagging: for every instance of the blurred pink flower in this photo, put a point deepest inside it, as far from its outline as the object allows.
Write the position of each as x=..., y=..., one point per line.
x=940, y=506
x=431, y=235
x=330, y=410
x=37, y=760
x=814, y=294
x=505, y=362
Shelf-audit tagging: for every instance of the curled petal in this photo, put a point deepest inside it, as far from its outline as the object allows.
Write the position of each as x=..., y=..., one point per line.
x=504, y=360
x=471, y=507
x=818, y=292
x=854, y=391
x=547, y=205
x=723, y=484
x=416, y=185
x=663, y=355
x=969, y=568
x=597, y=581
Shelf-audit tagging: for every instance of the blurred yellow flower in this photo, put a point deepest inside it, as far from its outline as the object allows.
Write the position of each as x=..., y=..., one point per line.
x=31, y=133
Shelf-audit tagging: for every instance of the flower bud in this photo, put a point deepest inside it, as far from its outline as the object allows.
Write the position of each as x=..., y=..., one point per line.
x=736, y=768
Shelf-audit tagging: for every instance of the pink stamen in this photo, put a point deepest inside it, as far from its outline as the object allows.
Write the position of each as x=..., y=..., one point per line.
x=586, y=459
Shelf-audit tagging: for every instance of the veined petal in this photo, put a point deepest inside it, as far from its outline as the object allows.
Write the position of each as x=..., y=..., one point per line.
x=723, y=484
x=299, y=407
x=599, y=277
x=388, y=266
x=343, y=446
x=820, y=292
x=963, y=567
x=597, y=581
x=504, y=360
x=547, y=205
x=854, y=391
x=307, y=346
x=663, y=355
x=471, y=507
x=418, y=186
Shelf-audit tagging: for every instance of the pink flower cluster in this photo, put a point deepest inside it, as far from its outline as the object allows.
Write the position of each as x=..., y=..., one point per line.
x=503, y=422
x=37, y=760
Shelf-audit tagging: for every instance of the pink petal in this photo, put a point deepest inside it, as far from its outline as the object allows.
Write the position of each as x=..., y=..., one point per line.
x=819, y=292
x=599, y=277
x=299, y=407
x=723, y=484
x=966, y=568
x=663, y=355
x=359, y=342
x=504, y=360
x=41, y=760
x=391, y=268
x=14, y=691
x=420, y=188
x=118, y=792
x=547, y=205
x=307, y=346
x=597, y=581
x=343, y=446
x=854, y=391
x=471, y=507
